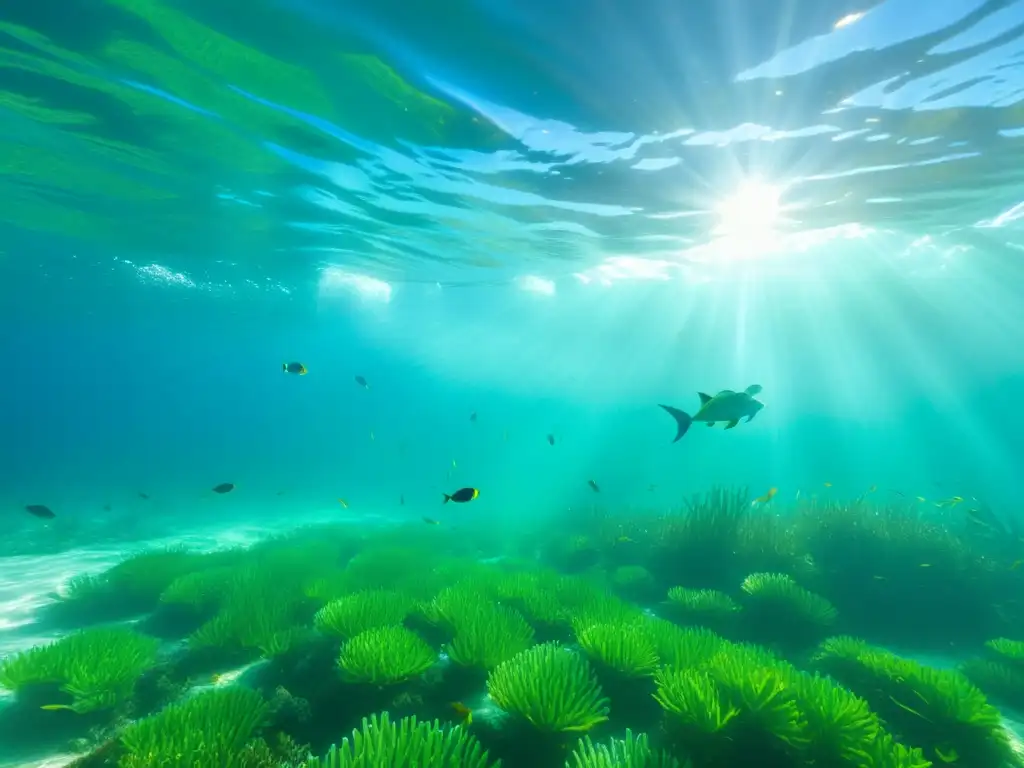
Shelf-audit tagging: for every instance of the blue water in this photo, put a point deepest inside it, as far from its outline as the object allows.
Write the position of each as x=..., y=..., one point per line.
x=515, y=209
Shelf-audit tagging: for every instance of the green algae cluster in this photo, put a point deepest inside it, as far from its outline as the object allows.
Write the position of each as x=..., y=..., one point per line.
x=938, y=709
x=407, y=743
x=89, y=670
x=398, y=634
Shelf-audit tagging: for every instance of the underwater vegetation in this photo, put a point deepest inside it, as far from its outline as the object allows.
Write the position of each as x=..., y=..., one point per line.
x=697, y=638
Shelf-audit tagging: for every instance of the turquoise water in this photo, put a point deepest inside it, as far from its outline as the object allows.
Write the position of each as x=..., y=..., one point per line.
x=515, y=220
x=480, y=212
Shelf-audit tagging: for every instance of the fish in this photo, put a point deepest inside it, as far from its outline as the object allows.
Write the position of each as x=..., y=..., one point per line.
x=372, y=436
x=40, y=510
x=224, y=488
x=827, y=484
x=55, y=707
x=551, y=439
x=431, y=521
x=727, y=406
x=1016, y=564
x=143, y=495
x=593, y=485
x=464, y=713
x=949, y=755
x=297, y=368
x=362, y=382
x=107, y=508
x=872, y=489
x=454, y=465
x=462, y=495
x=951, y=502
x=343, y=503
x=401, y=499
x=767, y=497
x=472, y=417
x=921, y=499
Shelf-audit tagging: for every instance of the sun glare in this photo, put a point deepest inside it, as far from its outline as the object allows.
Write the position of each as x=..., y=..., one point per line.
x=751, y=212
x=848, y=19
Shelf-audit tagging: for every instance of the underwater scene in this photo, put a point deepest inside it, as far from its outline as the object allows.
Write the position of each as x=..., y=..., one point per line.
x=520, y=383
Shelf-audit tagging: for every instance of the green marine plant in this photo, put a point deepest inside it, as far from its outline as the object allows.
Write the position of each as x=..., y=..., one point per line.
x=682, y=647
x=535, y=594
x=455, y=605
x=370, y=609
x=201, y=589
x=487, y=635
x=600, y=607
x=256, y=614
x=901, y=575
x=633, y=581
x=139, y=579
x=386, y=566
x=1002, y=682
x=1011, y=651
x=777, y=609
x=940, y=710
x=209, y=730
x=550, y=687
x=743, y=699
x=628, y=752
x=704, y=607
x=385, y=656
x=94, y=668
x=626, y=650
x=701, y=545
x=405, y=744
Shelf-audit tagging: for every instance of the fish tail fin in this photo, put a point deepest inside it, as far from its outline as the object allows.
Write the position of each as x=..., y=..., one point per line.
x=284, y=367
x=683, y=420
x=447, y=498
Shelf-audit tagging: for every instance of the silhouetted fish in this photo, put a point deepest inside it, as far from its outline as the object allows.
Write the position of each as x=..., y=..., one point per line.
x=40, y=510
x=224, y=488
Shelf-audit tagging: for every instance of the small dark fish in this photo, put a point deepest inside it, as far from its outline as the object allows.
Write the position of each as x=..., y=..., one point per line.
x=298, y=368
x=462, y=495
x=40, y=510
x=401, y=499
x=224, y=488
x=428, y=521
x=593, y=485
x=362, y=382
x=107, y=507
x=143, y=495
x=280, y=493
x=472, y=417
x=551, y=439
